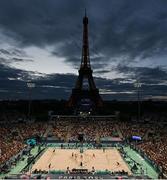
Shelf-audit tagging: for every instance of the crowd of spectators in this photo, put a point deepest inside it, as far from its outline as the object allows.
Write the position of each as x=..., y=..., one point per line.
x=13, y=136
x=153, y=134
x=107, y=129
x=92, y=130
x=60, y=130
x=9, y=146
x=88, y=129
x=129, y=129
x=155, y=147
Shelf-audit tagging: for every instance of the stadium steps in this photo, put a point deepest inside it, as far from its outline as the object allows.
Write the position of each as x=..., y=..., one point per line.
x=119, y=131
x=145, y=137
x=68, y=133
x=97, y=137
x=19, y=134
x=48, y=129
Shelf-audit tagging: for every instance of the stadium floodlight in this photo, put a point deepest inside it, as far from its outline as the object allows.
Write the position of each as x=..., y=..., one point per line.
x=138, y=85
x=30, y=85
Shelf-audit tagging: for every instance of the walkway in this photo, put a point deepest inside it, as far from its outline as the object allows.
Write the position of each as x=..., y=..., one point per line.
x=148, y=169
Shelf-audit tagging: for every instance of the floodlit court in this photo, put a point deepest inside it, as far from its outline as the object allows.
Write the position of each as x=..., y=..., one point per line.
x=60, y=159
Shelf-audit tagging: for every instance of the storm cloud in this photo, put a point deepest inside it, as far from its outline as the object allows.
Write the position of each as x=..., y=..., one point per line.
x=128, y=42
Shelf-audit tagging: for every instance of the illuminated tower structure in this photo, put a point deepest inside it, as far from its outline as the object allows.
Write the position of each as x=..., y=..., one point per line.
x=85, y=91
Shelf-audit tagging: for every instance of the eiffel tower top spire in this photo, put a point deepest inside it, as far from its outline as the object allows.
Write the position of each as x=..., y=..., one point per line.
x=85, y=61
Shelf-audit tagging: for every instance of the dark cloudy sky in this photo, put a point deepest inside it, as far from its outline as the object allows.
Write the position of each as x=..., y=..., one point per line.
x=41, y=41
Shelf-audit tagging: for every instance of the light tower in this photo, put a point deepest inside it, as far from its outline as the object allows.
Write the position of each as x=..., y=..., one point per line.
x=137, y=85
x=30, y=85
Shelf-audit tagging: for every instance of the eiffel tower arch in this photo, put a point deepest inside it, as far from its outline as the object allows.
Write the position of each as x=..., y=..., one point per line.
x=85, y=90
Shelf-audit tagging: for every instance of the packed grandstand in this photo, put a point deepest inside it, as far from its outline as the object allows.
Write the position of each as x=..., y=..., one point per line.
x=14, y=131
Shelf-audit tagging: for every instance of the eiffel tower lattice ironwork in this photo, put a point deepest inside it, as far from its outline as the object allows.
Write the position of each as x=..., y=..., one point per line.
x=85, y=73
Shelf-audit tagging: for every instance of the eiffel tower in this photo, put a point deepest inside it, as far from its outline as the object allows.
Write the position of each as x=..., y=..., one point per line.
x=80, y=93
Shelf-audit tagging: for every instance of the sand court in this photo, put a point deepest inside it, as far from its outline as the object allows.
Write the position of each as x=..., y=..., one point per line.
x=60, y=159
